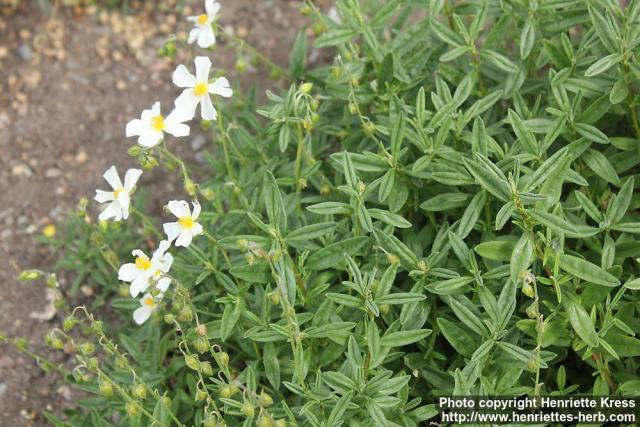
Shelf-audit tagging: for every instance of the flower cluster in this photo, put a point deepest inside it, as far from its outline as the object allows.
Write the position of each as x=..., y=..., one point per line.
x=151, y=274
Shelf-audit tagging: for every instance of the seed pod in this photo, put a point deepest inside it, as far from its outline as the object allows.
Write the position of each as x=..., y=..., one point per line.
x=139, y=391
x=200, y=395
x=206, y=369
x=105, y=388
x=201, y=345
x=223, y=358
x=192, y=362
x=132, y=409
x=264, y=399
x=248, y=409
x=224, y=391
x=87, y=348
x=528, y=290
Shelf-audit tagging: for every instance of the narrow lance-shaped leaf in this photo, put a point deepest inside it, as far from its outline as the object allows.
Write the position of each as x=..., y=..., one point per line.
x=587, y=271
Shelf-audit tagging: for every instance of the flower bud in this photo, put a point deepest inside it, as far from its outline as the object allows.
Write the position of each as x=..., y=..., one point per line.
x=384, y=308
x=369, y=129
x=169, y=318
x=264, y=399
x=57, y=343
x=206, y=369
x=166, y=401
x=87, y=348
x=223, y=358
x=248, y=409
x=274, y=298
x=121, y=362
x=201, y=345
x=69, y=323
x=224, y=391
x=353, y=108
x=123, y=291
x=97, y=327
x=134, y=150
x=528, y=290
x=233, y=388
x=190, y=187
x=392, y=259
x=305, y=10
x=325, y=190
x=192, y=362
x=306, y=87
x=132, y=409
x=201, y=330
x=241, y=65
x=210, y=422
x=139, y=391
x=280, y=423
x=318, y=28
x=29, y=275
x=185, y=315
x=200, y=395
x=208, y=193
x=106, y=388
x=532, y=310
x=93, y=363
x=264, y=421
x=361, y=187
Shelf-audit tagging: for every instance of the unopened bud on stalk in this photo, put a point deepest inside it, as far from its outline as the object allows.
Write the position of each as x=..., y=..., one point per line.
x=264, y=399
x=185, y=315
x=369, y=129
x=210, y=422
x=306, y=87
x=223, y=358
x=206, y=369
x=87, y=348
x=57, y=343
x=134, y=150
x=384, y=308
x=318, y=28
x=361, y=187
x=265, y=421
x=29, y=275
x=353, y=108
x=274, y=298
x=58, y=303
x=140, y=391
x=192, y=362
x=166, y=401
x=280, y=423
x=208, y=193
x=201, y=395
x=201, y=345
x=532, y=310
x=528, y=290
x=105, y=388
x=97, y=327
x=121, y=362
x=190, y=187
x=224, y=391
x=69, y=323
x=132, y=409
x=201, y=330
x=248, y=409
x=325, y=190
x=169, y=318
x=241, y=65
x=123, y=291
x=306, y=9
x=93, y=363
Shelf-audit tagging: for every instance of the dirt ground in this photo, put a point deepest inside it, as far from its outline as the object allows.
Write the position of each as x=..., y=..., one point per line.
x=69, y=82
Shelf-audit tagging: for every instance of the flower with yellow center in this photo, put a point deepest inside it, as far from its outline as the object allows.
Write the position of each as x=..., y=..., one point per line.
x=203, y=33
x=151, y=126
x=145, y=271
x=148, y=304
x=186, y=227
x=118, y=198
x=198, y=90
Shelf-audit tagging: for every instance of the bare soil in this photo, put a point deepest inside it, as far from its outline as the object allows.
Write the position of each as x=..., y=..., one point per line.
x=69, y=81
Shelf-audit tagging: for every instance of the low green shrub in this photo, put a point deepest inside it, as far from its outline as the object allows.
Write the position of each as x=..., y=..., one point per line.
x=446, y=209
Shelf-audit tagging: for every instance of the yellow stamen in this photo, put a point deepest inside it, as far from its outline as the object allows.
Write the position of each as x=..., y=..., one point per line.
x=149, y=302
x=117, y=193
x=200, y=89
x=186, y=222
x=143, y=263
x=202, y=19
x=157, y=122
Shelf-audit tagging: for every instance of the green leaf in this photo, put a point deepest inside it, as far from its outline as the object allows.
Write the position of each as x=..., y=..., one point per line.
x=336, y=418
x=619, y=92
x=527, y=38
x=592, y=133
x=619, y=205
x=524, y=135
x=499, y=60
x=459, y=339
x=561, y=225
x=331, y=208
x=489, y=177
x=552, y=165
x=400, y=298
x=521, y=256
x=471, y=214
x=445, y=201
x=599, y=164
x=389, y=218
x=335, y=37
x=298, y=55
x=400, y=338
x=603, y=64
x=312, y=231
x=580, y=321
x=587, y=271
x=333, y=254
x=497, y=250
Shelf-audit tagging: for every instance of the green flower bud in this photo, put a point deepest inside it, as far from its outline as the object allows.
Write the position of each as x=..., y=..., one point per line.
x=206, y=124
x=134, y=150
x=201, y=330
x=264, y=399
x=93, y=363
x=29, y=275
x=201, y=345
x=210, y=422
x=206, y=369
x=190, y=187
x=106, y=388
x=185, y=315
x=241, y=65
x=223, y=359
x=200, y=395
x=169, y=318
x=121, y=362
x=528, y=290
x=166, y=401
x=57, y=343
x=224, y=391
x=305, y=10
x=369, y=129
x=192, y=362
x=265, y=421
x=87, y=348
x=280, y=423
x=139, y=391
x=98, y=327
x=248, y=409
x=306, y=87
x=132, y=409
x=353, y=108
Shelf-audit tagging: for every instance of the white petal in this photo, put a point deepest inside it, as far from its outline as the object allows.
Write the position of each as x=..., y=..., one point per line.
x=196, y=211
x=113, y=210
x=111, y=175
x=182, y=77
x=184, y=239
x=131, y=177
x=139, y=284
x=124, y=200
x=167, y=262
x=141, y=315
x=206, y=109
x=135, y=127
x=103, y=196
x=206, y=39
x=179, y=208
x=221, y=87
x=212, y=7
x=147, y=115
x=203, y=65
x=137, y=253
x=193, y=34
x=163, y=284
x=187, y=102
x=155, y=109
x=127, y=272
x=196, y=229
x=172, y=229
x=177, y=129
x=150, y=138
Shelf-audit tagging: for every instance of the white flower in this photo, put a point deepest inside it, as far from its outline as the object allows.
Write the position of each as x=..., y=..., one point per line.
x=152, y=125
x=119, y=197
x=197, y=89
x=144, y=270
x=147, y=306
x=186, y=227
x=203, y=31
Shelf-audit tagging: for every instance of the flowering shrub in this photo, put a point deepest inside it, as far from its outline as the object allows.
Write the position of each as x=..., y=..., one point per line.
x=447, y=208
